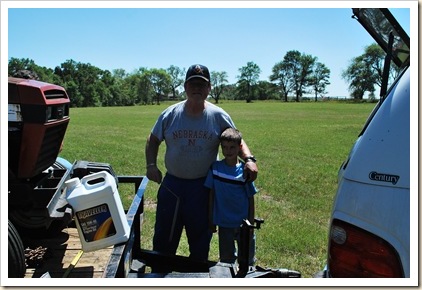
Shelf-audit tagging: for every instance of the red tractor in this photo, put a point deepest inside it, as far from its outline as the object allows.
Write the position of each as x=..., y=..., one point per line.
x=38, y=118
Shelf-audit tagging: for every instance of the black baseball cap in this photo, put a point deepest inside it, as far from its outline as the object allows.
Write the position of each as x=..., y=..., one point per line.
x=198, y=71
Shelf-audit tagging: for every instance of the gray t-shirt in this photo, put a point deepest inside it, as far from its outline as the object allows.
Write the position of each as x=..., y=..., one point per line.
x=191, y=142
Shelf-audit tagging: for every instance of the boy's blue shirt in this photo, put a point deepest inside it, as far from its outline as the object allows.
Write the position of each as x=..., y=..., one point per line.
x=232, y=192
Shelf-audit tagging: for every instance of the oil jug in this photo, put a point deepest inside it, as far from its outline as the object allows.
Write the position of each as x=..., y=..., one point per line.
x=99, y=214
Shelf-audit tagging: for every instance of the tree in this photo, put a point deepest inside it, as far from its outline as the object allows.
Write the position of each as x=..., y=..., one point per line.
x=249, y=76
x=300, y=66
x=120, y=89
x=26, y=68
x=88, y=85
x=177, y=76
x=88, y=81
x=319, y=79
x=229, y=92
x=160, y=82
x=242, y=90
x=67, y=71
x=84, y=80
x=266, y=90
x=72, y=89
x=283, y=76
x=141, y=87
x=105, y=89
x=374, y=58
x=292, y=61
x=218, y=81
x=16, y=65
x=307, y=63
x=360, y=76
x=365, y=71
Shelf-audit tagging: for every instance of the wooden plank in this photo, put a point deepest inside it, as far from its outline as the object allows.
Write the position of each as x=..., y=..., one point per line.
x=61, y=250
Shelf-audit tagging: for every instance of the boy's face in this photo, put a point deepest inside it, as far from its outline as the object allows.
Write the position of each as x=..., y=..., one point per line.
x=230, y=149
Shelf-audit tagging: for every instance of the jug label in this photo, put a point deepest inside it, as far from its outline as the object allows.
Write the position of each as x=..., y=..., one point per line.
x=96, y=223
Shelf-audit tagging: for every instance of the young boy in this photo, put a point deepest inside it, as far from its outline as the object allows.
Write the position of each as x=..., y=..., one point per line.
x=231, y=198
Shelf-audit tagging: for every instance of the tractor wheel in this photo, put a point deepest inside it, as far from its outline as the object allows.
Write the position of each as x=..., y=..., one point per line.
x=35, y=226
x=17, y=267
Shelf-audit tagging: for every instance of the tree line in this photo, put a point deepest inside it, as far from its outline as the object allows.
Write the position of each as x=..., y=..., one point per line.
x=298, y=74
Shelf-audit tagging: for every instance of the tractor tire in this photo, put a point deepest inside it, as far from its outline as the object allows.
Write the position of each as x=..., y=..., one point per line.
x=17, y=266
x=34, y=227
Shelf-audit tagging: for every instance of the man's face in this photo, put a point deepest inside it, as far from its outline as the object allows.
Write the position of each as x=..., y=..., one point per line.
x=197, y=88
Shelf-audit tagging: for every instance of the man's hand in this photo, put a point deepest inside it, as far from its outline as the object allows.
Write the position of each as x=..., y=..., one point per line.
x=154, y=174
x=251, y=171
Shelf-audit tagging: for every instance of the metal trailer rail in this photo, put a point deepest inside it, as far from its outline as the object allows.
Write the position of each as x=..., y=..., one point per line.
x=129, y=260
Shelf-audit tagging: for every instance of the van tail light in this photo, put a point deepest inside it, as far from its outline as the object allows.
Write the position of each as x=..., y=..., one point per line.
x=356, y=253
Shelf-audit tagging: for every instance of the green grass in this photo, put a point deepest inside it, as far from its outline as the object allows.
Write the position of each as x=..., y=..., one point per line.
x=299, y=147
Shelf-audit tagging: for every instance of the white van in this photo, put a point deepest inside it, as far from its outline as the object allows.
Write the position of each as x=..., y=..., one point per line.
x=370, y=222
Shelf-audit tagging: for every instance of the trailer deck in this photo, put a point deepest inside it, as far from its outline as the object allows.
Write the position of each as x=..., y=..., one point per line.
x=58, y=253
x=64, y=256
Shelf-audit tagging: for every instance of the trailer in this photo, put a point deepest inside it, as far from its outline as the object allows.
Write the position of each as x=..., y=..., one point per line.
x=129, y=260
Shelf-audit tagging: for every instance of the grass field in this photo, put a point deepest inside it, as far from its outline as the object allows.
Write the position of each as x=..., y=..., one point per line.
x=299, y=147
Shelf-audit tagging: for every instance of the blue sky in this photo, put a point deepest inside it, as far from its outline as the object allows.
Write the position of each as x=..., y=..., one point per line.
x=222, y=38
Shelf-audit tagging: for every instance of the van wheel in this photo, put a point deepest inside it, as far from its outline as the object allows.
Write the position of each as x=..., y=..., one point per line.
x=17, y=267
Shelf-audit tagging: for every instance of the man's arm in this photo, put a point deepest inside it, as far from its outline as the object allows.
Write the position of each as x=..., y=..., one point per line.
x=251, y=169
x=151, y=153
